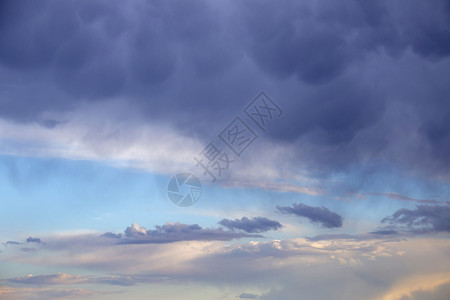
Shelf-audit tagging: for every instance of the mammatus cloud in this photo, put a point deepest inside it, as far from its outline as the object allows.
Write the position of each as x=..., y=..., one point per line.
x=422, y=219
x=316, y=215
x=335, y=117
x=257, y=224
x=174, y=232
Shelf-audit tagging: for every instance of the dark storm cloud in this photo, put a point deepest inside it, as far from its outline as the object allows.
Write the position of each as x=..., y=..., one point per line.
x=334, y=114
x=284, y=39
x=314, y=43
x=427, y=28
x=320, y=44
x=422, y=219
x=253, y=225
x=174, y=61
x=176, y=232
x=316, y=215
x=95, y=50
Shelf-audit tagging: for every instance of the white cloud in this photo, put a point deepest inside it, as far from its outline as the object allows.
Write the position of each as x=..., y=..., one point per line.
x=113, y=133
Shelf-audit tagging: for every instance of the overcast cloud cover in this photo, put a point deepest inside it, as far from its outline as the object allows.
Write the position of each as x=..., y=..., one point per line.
x=344, y=195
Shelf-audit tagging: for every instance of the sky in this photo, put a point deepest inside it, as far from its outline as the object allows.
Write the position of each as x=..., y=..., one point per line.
x=225, y=149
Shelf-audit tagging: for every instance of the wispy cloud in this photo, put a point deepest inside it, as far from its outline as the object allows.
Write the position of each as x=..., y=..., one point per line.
x=316, y=215
x=257, y=224
x=49, y=293
x=397, y=196
x=66, y=279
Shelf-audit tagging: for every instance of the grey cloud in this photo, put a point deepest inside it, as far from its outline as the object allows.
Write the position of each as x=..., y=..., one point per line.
x=248, y=296
x=34, y=240
x=253, y=225
x=13, y=243
x=316, y=215
x=384, y=232
x=175, y=232
x=385, y=235
x=135, y=234
x=422, y=219
x=111, y=235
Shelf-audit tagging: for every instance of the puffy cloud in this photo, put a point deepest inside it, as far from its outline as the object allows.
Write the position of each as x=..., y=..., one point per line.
x=257, y=224
x=316, y=215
